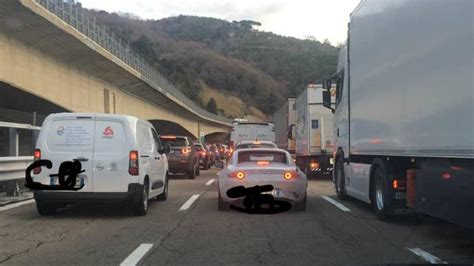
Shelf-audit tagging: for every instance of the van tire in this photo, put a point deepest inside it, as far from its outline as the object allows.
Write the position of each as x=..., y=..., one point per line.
x=45, y=209
x=164, y=195
x=140, y=206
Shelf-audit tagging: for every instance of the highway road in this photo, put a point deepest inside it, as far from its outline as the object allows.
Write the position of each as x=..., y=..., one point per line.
x=188, y=229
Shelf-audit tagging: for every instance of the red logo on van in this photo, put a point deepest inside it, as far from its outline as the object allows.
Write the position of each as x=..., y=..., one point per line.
x=108, y=133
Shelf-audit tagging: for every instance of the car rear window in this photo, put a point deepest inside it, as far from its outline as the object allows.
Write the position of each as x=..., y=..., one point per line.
x=109, y=137
x=70, y=136
x=257, y=156
x=174, y=142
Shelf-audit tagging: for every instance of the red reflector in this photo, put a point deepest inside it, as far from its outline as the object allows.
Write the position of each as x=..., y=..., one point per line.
x=446, y=176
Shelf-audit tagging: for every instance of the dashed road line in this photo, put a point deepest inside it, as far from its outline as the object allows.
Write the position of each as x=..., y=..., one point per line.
x=337, y=204
x=17, y=204
x=427, y=256
x=189, y=202
x=136, y=255
x=210, y=182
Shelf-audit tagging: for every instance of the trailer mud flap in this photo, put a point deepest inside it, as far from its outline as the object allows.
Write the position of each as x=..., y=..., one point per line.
x=445, y=189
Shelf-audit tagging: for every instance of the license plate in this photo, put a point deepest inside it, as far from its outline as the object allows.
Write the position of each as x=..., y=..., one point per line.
x=276, y=192
x=79, y=181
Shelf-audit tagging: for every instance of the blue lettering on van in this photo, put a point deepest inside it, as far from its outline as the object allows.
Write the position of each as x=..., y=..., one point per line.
x=67, y=175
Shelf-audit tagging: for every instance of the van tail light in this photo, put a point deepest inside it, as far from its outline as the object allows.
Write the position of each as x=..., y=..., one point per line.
x=133, y=163
x=185, y=150
x=290, y=175
x=239, y=175
x=37, y=156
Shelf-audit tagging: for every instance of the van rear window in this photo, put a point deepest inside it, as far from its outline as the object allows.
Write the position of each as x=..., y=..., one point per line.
x=70, y=135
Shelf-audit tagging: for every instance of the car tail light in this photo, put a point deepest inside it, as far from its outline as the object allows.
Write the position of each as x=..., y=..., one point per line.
x=239, y=175
x=186, y=150
x=37, y=156
x=290, y=175
x=314, y=165
x=133, y=163
x=399, y=184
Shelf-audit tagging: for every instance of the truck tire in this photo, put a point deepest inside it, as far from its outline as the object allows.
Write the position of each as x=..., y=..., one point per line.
x=340, y=180
x=381, y=199
x=301, y=205
x=164, y=195
x=140, y=206
x=45, y=209
x=221, y=204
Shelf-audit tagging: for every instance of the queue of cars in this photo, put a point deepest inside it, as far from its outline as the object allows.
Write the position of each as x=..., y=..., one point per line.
x=123, y=159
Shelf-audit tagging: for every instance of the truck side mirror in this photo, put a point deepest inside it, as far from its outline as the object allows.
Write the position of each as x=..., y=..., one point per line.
x=327, y=94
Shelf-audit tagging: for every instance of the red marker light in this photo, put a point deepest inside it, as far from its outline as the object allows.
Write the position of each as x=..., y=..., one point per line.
x=446, y=176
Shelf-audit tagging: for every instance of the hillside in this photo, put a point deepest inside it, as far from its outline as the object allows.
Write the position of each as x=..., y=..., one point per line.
x=232, y=59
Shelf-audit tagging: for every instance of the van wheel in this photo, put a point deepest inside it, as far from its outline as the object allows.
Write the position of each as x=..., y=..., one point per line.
x=381, y=201
x=45, y=209
x=140, y=207
x=301, y=206
x=340, y=180
x=164, y=195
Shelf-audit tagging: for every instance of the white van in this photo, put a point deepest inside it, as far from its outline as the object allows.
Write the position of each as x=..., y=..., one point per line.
x=122, y=156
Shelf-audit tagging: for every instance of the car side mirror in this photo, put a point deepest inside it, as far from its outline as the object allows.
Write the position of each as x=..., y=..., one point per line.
x=165, y=149
x=327, y=94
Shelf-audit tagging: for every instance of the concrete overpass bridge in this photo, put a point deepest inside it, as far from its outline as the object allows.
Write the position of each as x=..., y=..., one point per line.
x=54, y=58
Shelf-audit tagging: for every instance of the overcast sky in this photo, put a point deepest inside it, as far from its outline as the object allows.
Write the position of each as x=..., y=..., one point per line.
x=323, y=19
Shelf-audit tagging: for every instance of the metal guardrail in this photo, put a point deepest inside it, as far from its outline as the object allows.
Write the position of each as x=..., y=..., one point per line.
x=71, y=12
x=12, y=168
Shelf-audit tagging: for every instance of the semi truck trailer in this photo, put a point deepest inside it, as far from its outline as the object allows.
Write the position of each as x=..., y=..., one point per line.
x=314, y=133
x=284, y=120
x=404, y=112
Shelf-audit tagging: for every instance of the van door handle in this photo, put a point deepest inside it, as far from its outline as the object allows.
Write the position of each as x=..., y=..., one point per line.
x=144, y=156
x=81, y=159
x=338, y=132
x=157, y=158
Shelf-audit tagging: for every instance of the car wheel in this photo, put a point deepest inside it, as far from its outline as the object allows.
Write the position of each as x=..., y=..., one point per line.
x=206, y=165
x=381, y=201
x=301, y=205
x=192, y=173
x=340, y=182
x=140, y=207
x=45, y=209
x=164, y=195
x=221, y=204
x=198, y=169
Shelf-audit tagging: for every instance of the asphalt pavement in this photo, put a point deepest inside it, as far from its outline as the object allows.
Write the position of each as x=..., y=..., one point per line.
x=188, y=229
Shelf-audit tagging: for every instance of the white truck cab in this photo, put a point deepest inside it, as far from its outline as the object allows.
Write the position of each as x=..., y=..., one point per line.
x=122, y=158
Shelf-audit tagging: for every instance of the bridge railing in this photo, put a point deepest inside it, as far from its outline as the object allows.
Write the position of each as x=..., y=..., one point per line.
x=71, y=12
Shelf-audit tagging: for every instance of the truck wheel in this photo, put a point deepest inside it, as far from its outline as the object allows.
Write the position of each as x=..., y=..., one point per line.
x=164, y=195
x=381, y=200
x=140, y=206
x=340, y=181
x=301, y=206
x=221, y=204
x=45, y=209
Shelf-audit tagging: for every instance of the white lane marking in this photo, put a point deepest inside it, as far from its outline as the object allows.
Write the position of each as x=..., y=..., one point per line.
x=337, y=204
x=210, y=182
x=17, y=204
x=189, y=202
x=136, y=255
x=426, y=256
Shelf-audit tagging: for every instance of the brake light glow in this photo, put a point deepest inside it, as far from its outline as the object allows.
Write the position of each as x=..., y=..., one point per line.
x=314, y=165
x=167, y=137
x=239, y=175
x=133, y=163
x=37, y=156
x=290, y=175
x=399, y=184
x=185, y=150
x=263, y=162
x=256, y=142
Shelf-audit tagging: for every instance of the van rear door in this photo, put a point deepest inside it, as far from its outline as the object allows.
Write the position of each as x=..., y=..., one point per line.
x=68, y=138
x=111, y=155
x=264, y=132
